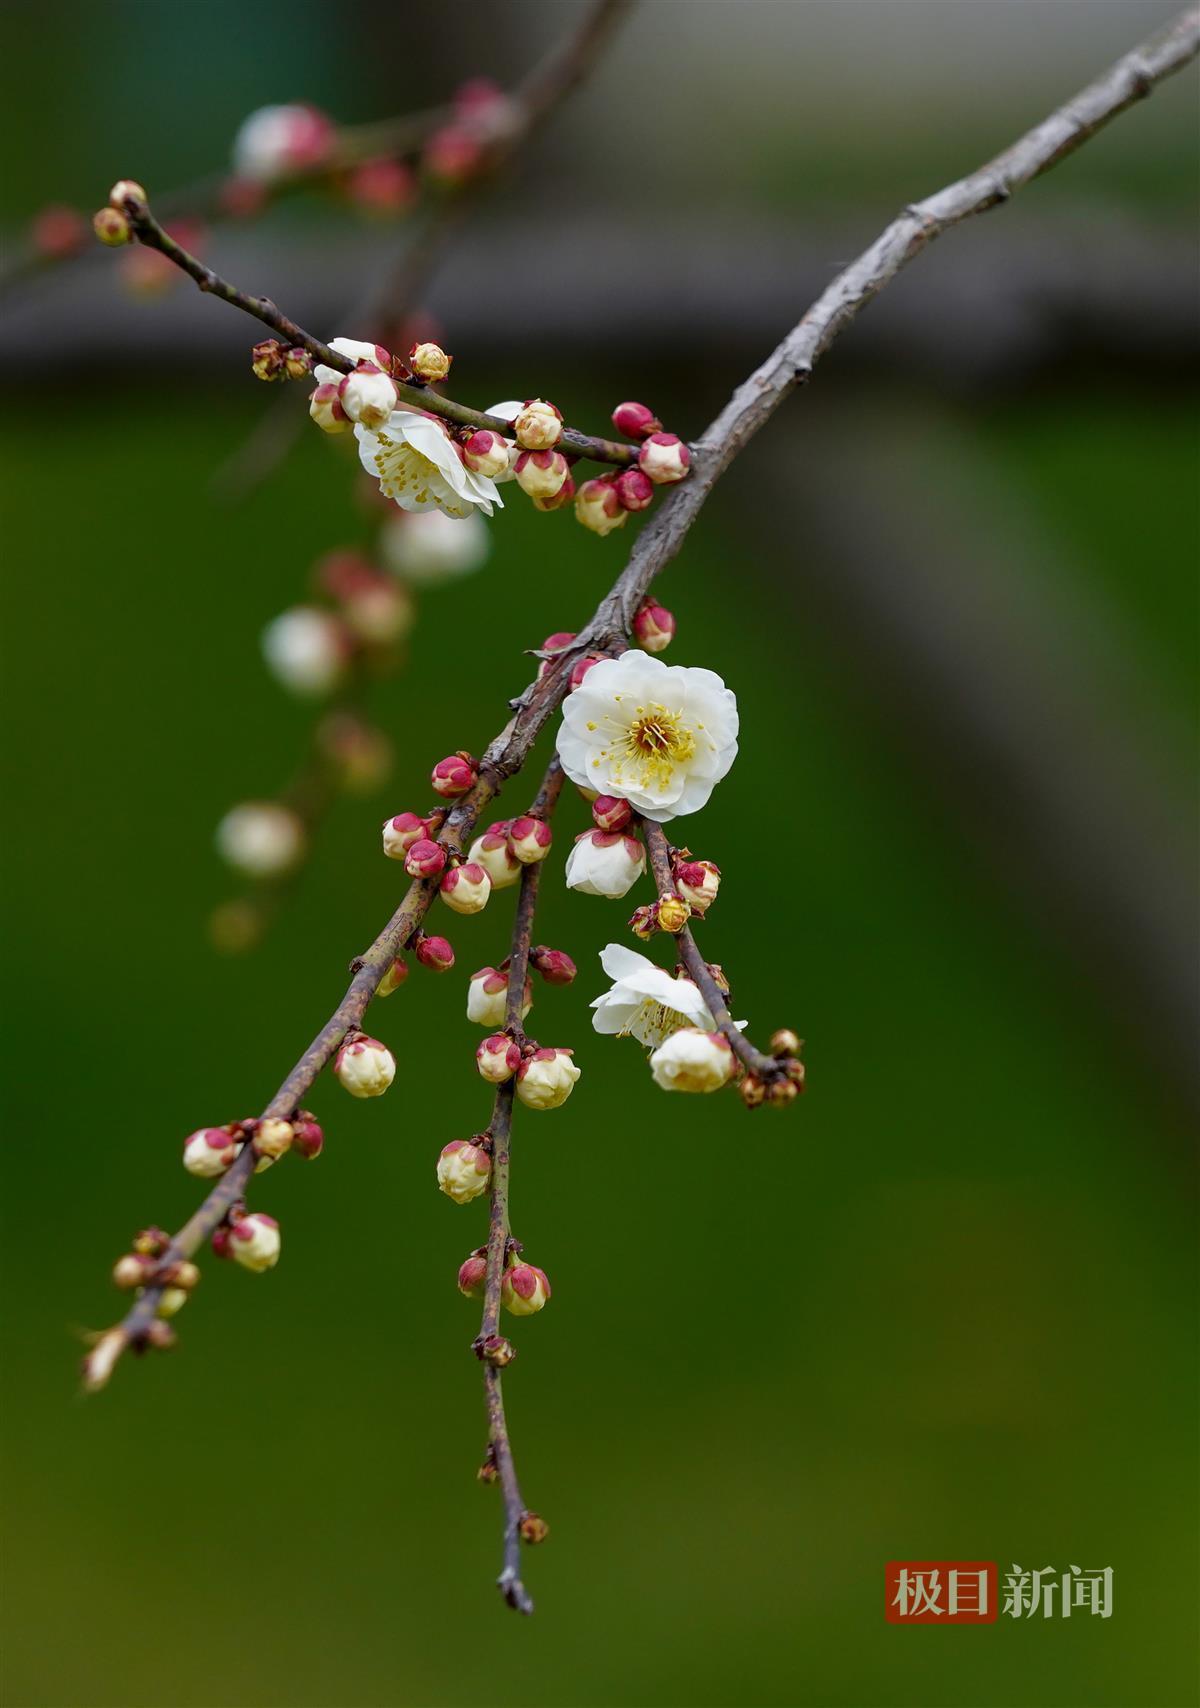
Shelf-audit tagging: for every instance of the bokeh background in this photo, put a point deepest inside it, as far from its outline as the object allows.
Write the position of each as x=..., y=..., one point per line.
x=946, y=1307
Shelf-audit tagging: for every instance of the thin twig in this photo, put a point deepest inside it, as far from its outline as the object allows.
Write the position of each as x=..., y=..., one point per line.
x=749, y=408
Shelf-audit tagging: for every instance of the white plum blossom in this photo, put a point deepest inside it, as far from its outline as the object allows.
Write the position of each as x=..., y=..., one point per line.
x=661, y=736
x=646, y=1002
x=426, y=547
x=275, y=142
x=693, y=1060
x=605, y=863
x=260, y=838
x=546, y=1079
x=305, y=648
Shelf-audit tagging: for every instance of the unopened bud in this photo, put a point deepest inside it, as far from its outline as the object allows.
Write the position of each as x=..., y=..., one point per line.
x=634, y=489
x=309, y=1138
x=463, y=1170
x=159, y=1337
x=183, y=1274
x=541, y=474
x=643, y=922
x=454, y=776
x=598, y=507
x=653, y=627
x=209, y=1152
x=752, y=1091
x=425, y=859
x=698, y=882
x=635, y=421
x=495, y=1350
x=394, y=977
x=785, y=1042
x=170, y=1302
x=486, y=453
x=254, y=1242
x=471, y=1276
x=673, y=914
x=693, y=1060
x=530, y=839
x=488, y=1473
x=558, y=500
x=491, y=851
x=367, y=395
x=435, y=953
x=497, y=1059
x=487, y=997
x=524, y=1289
x=429, y=361
x=324, y=407
x=665, y=458
x=554, y=966
x=125, y=189
x=151, y=1242
x=546, y=1079
x=533, y=1528
x=132, y=1270
x=267, y=360
x=364, y=1066
x=273, y=1139
x=401, y=832
x=610, y=813
x=466, y=888
x=538, y=426
x=112, y=227
x=781, y=1092
x=604, y=863
x=555, y=643
x=297, y=363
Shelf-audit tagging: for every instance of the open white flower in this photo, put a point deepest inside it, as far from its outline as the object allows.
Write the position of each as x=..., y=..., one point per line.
x=660, y=736
x=416, y=464
x=646, y=1002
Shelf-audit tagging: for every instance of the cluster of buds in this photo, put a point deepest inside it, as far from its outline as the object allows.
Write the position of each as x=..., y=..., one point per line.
x=670, y=913
x=782, y=1086
x=482, y=115
x=144, y=1266
x=366, y=396
x=604, y=502
x=209, y=1151
x=402, y=832
x=524, y=1288
x=111, y=224
x=271, y=360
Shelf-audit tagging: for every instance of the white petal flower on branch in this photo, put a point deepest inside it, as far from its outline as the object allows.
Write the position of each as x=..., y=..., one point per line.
x=605, y=863
x=693, y=1060
x=426, y=547
x=659, y=735
x=418, y=465
x=646, y=1002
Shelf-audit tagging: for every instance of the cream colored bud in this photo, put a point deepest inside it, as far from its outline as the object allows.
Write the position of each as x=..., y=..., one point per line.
x=546, y=1079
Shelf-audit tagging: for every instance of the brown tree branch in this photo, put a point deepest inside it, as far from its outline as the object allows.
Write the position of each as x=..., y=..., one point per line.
x=750, y=407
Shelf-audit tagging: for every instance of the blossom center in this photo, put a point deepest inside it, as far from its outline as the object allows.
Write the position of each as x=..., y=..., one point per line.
x=656, y=741
x=654, y=1022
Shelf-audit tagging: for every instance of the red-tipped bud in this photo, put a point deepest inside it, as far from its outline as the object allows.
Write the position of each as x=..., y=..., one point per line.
x=325, y=409
x=643, y=922
x=454, y=776
x=538, y=426
x=635, y=421
x=151, y=1242
x=429, y=361
x=466, y=888
x=785, y=1042
x=554, y=643
x=546, y=1078
x=610, y=813
x=634, y=489
x=254, y=1242
x=497, y=1058
x=425, y=859
x=653, y=627
x=471, y=1276
x=524, y=1290
x=491, y=851
x=698, y=882
x=559, y=499
x=582, y=666
x=367, y=395
x=486, y=453
x=364, y=1066
x=541, y=474
x=665, y=458
x=487, y=997
x=554, y=966
x=401, y=832
x=598, y=507
x=530, y=839
x=309, y=1140
x=463, y=1170
x=112, y=227
x=434, y=953
x=209, y=1152
x=272, y=1139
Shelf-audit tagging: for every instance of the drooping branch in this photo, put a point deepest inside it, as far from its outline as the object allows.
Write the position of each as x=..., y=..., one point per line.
x=1132, y=77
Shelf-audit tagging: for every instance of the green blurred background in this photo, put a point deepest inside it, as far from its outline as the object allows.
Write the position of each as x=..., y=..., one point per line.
x=946, y=1307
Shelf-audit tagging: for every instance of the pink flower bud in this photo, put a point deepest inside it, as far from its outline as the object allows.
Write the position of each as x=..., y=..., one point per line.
x=486, y=453
x=401, y=832
x=664, y=457
x=454, y=776
x=487, y=997
x=634, y=489
x=383, y=186
x=581, y=667
x=220, y=1243
x=554, y=966
x=434, y=953
x=530, y=839
x=698, y=882
x=57, y=232
x=538, y=426
x=453, y=155
x=598, y=507
x=558, y=500
x=273, y=1139
x=463, y=1170
x=491, y=851
x=326, y=410
x=524, y=1289
x=635, y=421
x=554, y=643
x=367, y=396
x=364, y=1066
x=254, y=1242
x=546, y=1079
x=497, y=1058
x=541, y=473
x=309, y=1140
x=653, y=627
x=471, y=1276
x=429, y=361
x=610, y=813
x=209, y=1152
x=466, y=888
x=425, y=859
